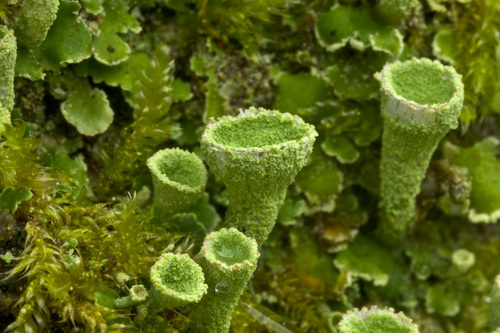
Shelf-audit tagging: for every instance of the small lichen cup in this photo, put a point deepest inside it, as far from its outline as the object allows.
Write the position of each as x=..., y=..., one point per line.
x=421, y=101
x=257, y=155
x=376, y=320
x=179, y=180
x=228, y=259
x=176, y=280
x=137, y=295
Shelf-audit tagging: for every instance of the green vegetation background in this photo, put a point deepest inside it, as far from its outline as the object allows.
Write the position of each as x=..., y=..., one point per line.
x=113, y=81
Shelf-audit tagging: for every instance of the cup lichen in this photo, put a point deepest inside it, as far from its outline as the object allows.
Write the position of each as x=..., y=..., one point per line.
x=229, y=259
x=257, y=155
x=179, y=179
x=176, y=281
x=421, y=101
x=8, y=55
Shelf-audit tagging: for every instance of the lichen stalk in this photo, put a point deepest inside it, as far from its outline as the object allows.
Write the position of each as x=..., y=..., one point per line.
x=420, y=102
x=257, y=155
x=228, y=259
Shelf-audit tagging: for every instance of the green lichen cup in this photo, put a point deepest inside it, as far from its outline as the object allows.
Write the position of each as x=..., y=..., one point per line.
x=137, y=295
x=176, y=280
x=229, y=259
x=421, y=101
x=179, y=180
x=376, y=320
x=257, y=155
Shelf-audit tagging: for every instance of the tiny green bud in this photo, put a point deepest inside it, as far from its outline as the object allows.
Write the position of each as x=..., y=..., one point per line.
x=463, y=259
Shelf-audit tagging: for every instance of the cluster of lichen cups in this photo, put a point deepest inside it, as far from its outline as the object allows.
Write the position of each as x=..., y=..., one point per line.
x=257, y=155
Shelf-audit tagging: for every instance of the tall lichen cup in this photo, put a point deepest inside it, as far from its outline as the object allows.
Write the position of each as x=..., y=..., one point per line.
x=229, y=259
x=257, y=155
x=421, y=101
x=176, y=280
x=8, y=54
x=179, y=180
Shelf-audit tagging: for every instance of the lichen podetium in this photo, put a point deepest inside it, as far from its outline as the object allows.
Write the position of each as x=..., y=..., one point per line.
x=257, y=155
x=420, y=102
x=8, y=54
x=228, y=259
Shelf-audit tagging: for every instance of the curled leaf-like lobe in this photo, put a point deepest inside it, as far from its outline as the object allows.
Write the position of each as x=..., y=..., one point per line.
x=376, y=320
